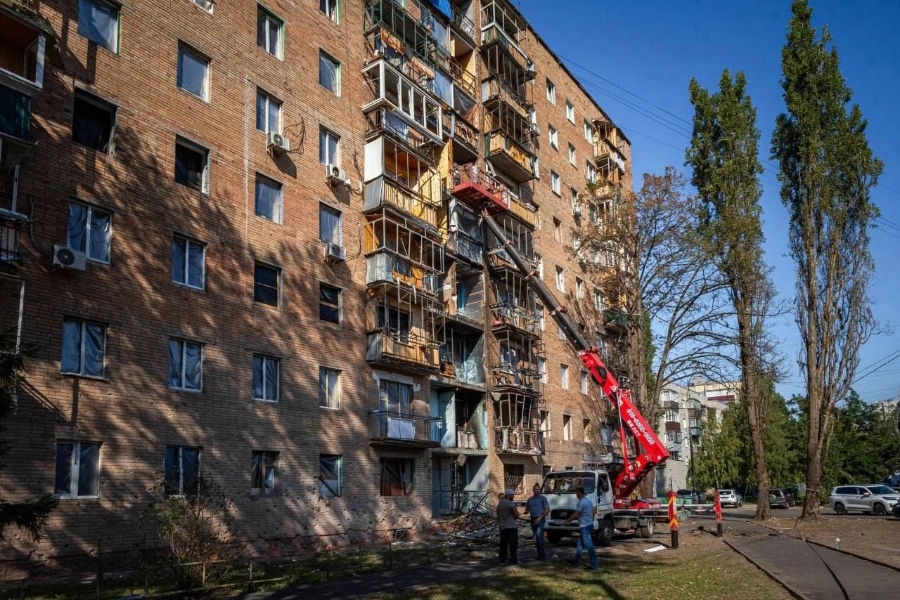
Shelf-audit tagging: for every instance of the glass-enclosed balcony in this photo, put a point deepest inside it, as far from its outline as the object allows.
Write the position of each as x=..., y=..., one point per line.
x=402, y=30
x=410, y=102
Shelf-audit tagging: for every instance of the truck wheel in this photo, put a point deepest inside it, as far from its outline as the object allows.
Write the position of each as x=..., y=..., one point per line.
x=605, y=533
x=648, y=529
x=554, y=537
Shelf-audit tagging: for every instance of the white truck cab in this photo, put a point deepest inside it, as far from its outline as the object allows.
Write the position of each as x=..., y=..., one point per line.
x=559, y=488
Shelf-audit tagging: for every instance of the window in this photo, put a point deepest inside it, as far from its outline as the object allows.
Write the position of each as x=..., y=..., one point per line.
x=540, y=264
x=329, y=145
x=586, y=430
x=98, y=21
x=83, y=348
x=329, y=388
x=262, y=472
x=266, y=284
x=514, y=478
x=89, y=231
x=554, y=137
x=269, y=199
x=554, y=182
x=395, y=320
x=560, y=279
x=588, y=131
x=545, y=422
x=557, y=230
x=542, y=368
x=181, y=466
x=331, y=475
x=191, y=165
x=551, y=92
x=395, y=397
x=584, y=382
x=93, y=121
x=266, y=378
x=539, y=313
x=560, y=333
x=564, y=376
x=591, y=172
x=185, y=365
x=567, y=427
x=206, y=5
x=188, y=263
x=573, y=196
x=77, y=470
x=331, y=225
x=329, y=73
x=268, y=113
x=570, y=112
x=579, y=288
x=269, y=31
x=330, y=303
x=193, y=72
x=331, y=9
x=397, y=476
x=598, y=300
x=571, y=155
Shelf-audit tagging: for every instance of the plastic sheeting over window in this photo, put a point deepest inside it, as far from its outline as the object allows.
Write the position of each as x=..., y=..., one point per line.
x=84, y=347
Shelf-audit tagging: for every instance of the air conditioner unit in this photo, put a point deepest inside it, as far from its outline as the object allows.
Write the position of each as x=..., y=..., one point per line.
x=333, y=252
x=277, y=143
x=65, y=257
x=334, y=175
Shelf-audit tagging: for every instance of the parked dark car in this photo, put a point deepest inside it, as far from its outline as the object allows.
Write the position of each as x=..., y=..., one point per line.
x=778, y=498
x=896, y=511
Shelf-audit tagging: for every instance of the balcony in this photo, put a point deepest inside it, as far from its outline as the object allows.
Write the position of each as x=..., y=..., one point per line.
x=522, y=210
x=465, y=247
x=670, y=405
x=615, y=320
x=385, y=266
x=508, y=58
x=411, y=103
x=512, y=378
x=402, y=350
x=387, y=428
x=385, y=191
x=461, y=23
x=405, y=31
x=520, y=319
x=510, y=155
x=608, y=160
x=463, y=133
x=9, y=243
x=517, y=440
x=478, y=189
x=495, y=90
x=384, y=121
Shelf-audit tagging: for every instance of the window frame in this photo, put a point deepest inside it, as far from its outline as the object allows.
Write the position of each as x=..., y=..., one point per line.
x=258, y=286
x=340, y=476
x=325, y=399
x=338, y=306
x=327, y=208
x=585, y=383
x=544, y=423
x=188, y=242
x=206, y=5
x=83, y=324
x=183, y=342
x=564, y=376
x=184, y=49
x=266, y=16
x=265, y=359
x=335, y=17
x=570, y=112
x=187, y=145
x=560, y=279
x=89, y=218
x=112, y=112
x=407, y=488
x=118, y=18
x=277, y=187
x=551, y=92
x=553, y=137
x=181, y=492
x=579, y=288
x=323, y=55
x=555, y=183
x=264, y=456
x=270, y=100
x=568, y=433
x=74, y=476
x=573, y=157
x=325, y=136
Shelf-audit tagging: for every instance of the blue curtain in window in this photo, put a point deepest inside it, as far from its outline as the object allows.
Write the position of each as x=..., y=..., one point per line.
x=329, y=225
x=192, y=367
x=98, y=22
x=175, y=363
x=195, y=265
x=88, y=470
x=94, y=349
x=443, y=87
x=71, y=347
x=100, y=233
x=77, y=227
x=443, y=6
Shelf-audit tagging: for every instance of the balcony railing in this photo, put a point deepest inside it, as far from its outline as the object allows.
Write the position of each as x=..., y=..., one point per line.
x=388, y=428
x=521, y=379
x=518, y=160
x=385, y=266
x=383, y=190
x=523, y=320
x=462, y=245
x=518, y=440
x=463, y=23
x=493, y=33
x=615, y=319
x=524, y=211
x=465, y=133
x=413, y=104
x=495, y=89
x=399, y=349
x=385, y=122
x=463, y=78
x=15, y=112
x=407, y=29
x=475, y=187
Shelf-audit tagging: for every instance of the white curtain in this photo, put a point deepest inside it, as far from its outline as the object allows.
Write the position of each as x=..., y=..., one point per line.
x=265, y=378
x=268, y=199
x=330, y=225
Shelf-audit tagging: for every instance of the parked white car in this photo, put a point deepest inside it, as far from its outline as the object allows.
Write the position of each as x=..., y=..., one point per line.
x=876, y=498
x=730, y=498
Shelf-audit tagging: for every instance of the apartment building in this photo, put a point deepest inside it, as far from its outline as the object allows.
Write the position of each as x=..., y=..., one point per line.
x=245, y=242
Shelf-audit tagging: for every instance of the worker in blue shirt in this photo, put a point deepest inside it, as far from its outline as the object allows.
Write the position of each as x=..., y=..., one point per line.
x=584, y=512
x=538, y=508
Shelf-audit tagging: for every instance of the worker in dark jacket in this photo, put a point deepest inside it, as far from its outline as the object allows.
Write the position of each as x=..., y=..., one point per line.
x=507, y=514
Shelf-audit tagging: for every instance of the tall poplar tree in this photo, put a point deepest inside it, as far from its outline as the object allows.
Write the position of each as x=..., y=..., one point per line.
x=826, y=172
x=726, y=168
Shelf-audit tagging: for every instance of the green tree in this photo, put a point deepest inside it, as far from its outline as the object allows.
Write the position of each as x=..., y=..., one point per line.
x=826, y=170
x=726, y=169
x=28, y=515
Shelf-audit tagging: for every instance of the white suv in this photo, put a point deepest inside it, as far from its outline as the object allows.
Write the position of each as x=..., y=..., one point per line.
x=878, y=499
x=730, y=498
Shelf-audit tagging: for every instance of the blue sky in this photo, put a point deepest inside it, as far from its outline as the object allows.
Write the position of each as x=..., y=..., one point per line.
x=630, y=53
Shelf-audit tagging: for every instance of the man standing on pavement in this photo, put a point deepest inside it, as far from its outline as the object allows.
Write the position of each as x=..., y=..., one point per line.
x=538, y=508
x=507, y=513
x=584, y=512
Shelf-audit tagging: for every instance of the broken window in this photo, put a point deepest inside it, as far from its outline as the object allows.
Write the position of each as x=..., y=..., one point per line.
x=514, y=478
x=331, y=467
x=77, y=470
x=329, y=388
x=396, y=476
x=191, y=165
x=262, y=472
x=93, y=121
x=182, y=471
